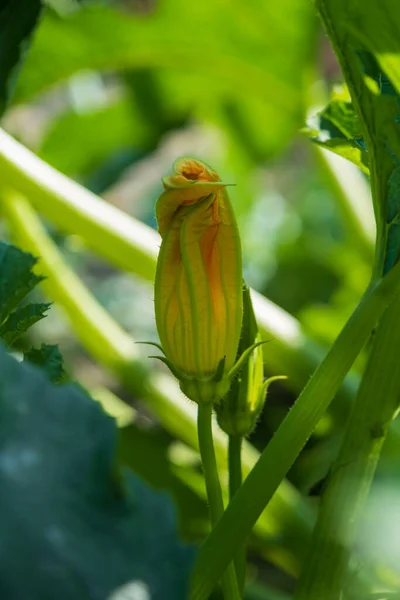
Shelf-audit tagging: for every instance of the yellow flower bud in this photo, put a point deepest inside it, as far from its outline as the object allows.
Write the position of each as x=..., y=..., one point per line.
x=198, y=286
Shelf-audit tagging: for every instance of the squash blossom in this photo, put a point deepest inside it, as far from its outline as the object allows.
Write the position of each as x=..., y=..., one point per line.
x=198, y=285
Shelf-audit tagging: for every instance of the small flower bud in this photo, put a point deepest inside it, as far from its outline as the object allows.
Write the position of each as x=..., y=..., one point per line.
x=238, y=411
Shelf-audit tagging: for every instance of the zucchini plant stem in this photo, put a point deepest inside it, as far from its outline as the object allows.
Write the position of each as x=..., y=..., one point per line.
x=235, y=481
x=352, y=473
x=235, y=464
x=214, y=492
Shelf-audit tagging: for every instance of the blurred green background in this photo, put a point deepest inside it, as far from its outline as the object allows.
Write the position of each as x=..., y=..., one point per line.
x=110, y=94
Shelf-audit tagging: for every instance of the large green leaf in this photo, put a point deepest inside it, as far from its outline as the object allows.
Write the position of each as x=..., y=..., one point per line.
x=71, y=528
x=377, y=26
x=249, y=60
x=377, y=105
x=78, y=142
x=17, y=21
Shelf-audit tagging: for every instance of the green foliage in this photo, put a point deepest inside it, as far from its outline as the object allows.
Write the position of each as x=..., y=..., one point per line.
x=337, y=128
x=19, y=321
x=77, y=142
x=17, y=21
x=49, y=358
x=17, y=280
x=214, y=64
x=377, y=105
x=110, y=85
x=71, y=525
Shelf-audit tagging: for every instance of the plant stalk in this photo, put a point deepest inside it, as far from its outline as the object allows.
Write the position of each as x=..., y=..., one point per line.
x=353, y=471
x=214, y=492
x=235, y=481
x=235, y=464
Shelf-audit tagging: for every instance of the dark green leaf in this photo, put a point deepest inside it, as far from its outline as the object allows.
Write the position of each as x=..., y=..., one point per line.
x=69, y=527
x=16, y=277
x=49, y=358
x=17, y=21
x=20, y=320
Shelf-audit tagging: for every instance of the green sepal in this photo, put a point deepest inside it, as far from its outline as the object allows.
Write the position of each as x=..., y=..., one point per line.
x=170, y=366
x=267, y=382
x=155, y=344
x=243, y=359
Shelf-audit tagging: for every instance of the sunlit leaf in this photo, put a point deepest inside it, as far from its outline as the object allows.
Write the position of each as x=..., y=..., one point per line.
x=337, y=128
x=249, y=60
x=78, y=142
x=376, y=102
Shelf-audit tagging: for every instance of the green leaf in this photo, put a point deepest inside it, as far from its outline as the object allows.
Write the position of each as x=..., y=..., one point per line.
x=68, y=523
x=49, y=358
x=378, y=29
x=216, y=63
x=338, y=129
x=376, y=102
x=18, y=18
x=79, y=142
x=16, y=277
x=20, y=320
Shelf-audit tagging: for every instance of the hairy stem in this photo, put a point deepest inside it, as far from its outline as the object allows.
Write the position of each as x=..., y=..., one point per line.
x=235, y=481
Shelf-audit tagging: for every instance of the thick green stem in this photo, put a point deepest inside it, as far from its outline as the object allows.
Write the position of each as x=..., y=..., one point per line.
x=235, y=464
x=277, y=458
x=235, y=481
x=352, y=473
x=214, y=492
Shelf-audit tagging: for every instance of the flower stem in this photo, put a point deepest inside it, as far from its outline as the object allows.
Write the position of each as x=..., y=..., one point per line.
x=235, y=481
x=214, y=493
